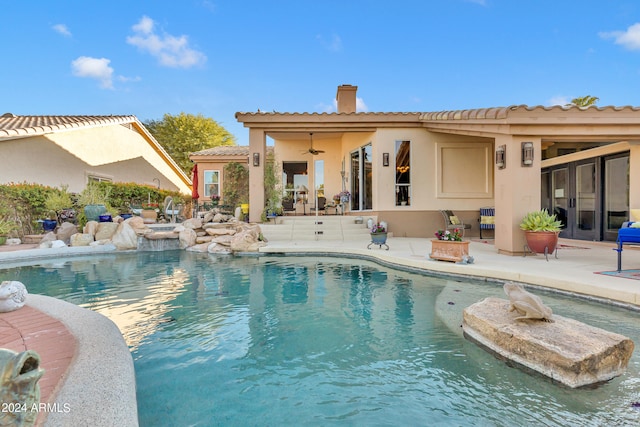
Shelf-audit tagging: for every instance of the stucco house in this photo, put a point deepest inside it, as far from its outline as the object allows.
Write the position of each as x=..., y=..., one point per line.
x=211, y=163
x=73, y=150
x=582, y=163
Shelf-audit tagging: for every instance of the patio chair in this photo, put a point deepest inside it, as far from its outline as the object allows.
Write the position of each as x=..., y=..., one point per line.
x=171, y=210
x=451, y=221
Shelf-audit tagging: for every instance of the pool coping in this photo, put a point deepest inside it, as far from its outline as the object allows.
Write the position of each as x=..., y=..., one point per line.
x=109, y=397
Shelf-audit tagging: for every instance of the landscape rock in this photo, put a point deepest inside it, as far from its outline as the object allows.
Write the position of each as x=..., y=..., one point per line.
x=187, y=238
x=65, y=231
x=137, y=224
x=91, y=227
x=125, y=236
x=105, y=230
x=202, y=247
x=203, y=239
x=58, y=244
x=215, y=248
x=566, y=350
x=192, y=223
x=220, y=231
x=13, y=241
x=48, y=238
x=81, y=239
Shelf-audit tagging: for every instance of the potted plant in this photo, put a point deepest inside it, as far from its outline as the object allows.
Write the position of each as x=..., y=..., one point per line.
x=94, y=201
x=149, y=213
x=378, y=236
x=448, y=246
x=6, y=227
x=60, y=207
x=541, y=230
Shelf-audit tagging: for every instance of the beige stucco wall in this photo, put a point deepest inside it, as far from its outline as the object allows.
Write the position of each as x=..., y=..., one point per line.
x=447, y=172
x=68, y=158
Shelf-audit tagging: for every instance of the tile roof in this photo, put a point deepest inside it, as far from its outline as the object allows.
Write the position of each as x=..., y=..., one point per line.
x=16, y=126
x=227, y=150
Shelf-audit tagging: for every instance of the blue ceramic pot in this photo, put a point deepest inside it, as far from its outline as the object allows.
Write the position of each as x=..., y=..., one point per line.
x=49, y=224
x=379, y=238
x=126, y=216
x=105, y=218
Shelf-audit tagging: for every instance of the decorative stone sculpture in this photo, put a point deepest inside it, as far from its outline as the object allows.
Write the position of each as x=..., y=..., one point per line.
x=19, y=390
x=13, y=295
x=527, y=304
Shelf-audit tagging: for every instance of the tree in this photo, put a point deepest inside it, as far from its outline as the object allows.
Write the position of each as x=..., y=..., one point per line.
x=186, y=133
x=584, y=101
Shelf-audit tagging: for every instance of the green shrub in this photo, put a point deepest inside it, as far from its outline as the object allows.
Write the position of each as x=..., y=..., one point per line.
x=540, y=221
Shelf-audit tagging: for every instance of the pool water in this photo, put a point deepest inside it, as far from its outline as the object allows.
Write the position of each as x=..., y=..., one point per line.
x=240, y=341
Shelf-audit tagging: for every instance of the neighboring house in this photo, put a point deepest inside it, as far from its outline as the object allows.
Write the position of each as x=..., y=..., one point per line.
x=211, y=163
x=582, y=163
x=73, y=150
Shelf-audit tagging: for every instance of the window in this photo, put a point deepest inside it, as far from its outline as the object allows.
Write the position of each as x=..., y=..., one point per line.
x=97, y=178
x=403, y=173
x=211, y=183
x=362, y=179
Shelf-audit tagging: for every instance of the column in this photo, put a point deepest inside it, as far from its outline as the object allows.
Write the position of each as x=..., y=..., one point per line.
x=517, y=192
x=257, y=146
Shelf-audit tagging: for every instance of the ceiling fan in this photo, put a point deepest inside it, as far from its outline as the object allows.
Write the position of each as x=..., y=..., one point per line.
x=312, y=150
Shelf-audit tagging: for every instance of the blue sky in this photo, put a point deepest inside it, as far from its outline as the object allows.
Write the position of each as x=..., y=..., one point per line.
x=214, y=57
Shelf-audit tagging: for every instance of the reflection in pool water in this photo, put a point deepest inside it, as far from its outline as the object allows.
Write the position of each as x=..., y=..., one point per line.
x=320, y=341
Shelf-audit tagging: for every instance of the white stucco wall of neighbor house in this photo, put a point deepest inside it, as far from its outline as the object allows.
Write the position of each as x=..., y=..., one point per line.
x=117, y=153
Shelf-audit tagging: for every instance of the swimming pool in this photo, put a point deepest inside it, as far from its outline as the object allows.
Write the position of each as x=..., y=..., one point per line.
x=320, y=341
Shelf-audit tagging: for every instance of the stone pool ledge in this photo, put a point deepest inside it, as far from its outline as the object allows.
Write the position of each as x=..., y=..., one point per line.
x=99, y=388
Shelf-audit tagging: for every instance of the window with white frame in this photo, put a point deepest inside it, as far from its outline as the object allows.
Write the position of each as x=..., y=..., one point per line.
x=211, y=183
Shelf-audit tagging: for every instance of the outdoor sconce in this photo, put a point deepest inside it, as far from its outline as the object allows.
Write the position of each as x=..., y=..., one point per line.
x=256, y=159
x=385, y=159
x=501, y=156
x=527, y=154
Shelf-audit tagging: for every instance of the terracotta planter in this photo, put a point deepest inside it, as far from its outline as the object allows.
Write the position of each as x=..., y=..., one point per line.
x=447, y=250
x=149, y=216
x=538, y=241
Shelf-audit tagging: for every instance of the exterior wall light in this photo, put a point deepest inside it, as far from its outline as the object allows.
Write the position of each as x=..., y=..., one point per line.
x=256, y=159
x=527, y=154
x=501, y=156
x=385, y=159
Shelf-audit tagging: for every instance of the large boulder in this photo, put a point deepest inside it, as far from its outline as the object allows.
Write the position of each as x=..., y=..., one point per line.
x=137, y=224
x=91, y=227
x=246, y=240
x=187, y=238
x=65, y=231
x=81, y=239
x=105, y=230
x=125, y=236
x=565, y=350
x=192, y=223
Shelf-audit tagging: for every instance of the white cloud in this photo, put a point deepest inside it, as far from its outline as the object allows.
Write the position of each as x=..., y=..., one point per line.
x=333, y=44
x=94, y=68
x=169, y=50
x=62, y=29
x=559, y=100
x=630, y=39
x=361, y=107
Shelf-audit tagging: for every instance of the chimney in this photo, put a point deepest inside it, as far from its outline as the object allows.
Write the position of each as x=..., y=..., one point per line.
x=346, y=98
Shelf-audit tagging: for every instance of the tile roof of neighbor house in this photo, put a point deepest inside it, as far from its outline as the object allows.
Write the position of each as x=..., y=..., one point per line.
x=227, y=150
x=17, y=126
